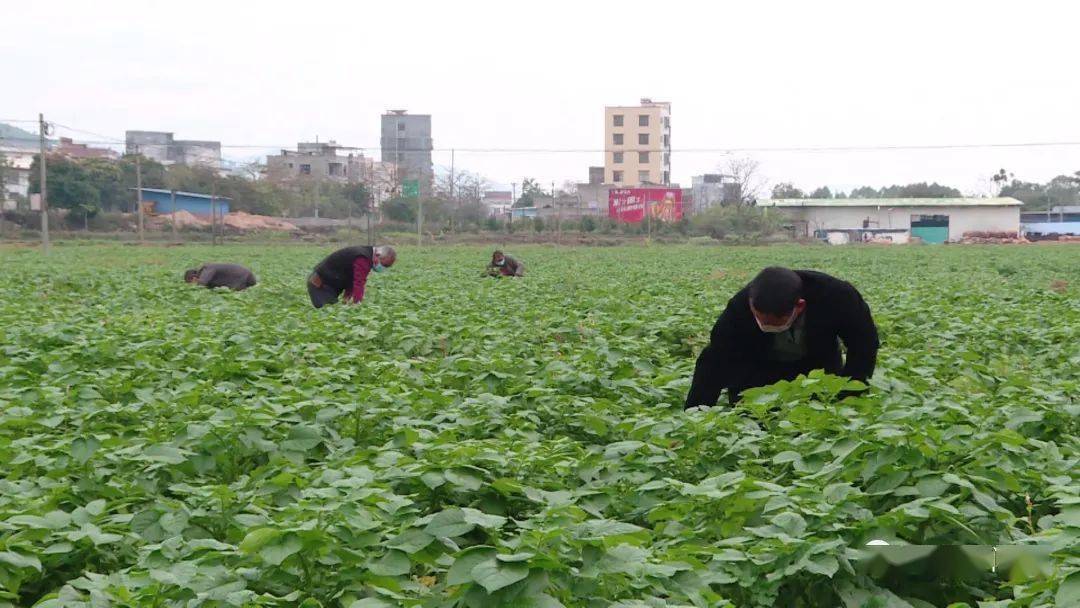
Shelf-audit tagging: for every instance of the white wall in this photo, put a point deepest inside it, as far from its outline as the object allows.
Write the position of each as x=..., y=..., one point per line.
x=961, y=219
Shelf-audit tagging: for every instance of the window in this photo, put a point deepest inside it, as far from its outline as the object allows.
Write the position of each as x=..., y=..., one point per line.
x=400, y=126
x=616, y=176
x=643, y=139
x=643, y=177
x=305, y=169
x=667, y=178
x=642, y=157
x=400, y=157
x=290, y=165
x=667, y=141
x=618, y=120
x=667, y=158
x=643, y=120
x=667, y=122
x=616, y=139
x=618, y=158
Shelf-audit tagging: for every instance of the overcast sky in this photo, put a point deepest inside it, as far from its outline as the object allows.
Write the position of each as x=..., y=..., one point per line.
x=536, y=75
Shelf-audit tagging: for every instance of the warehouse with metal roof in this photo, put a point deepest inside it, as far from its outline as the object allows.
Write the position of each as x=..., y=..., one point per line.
x=933, y=220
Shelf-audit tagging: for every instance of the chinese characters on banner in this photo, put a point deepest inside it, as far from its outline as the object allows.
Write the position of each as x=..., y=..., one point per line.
x=628, y=204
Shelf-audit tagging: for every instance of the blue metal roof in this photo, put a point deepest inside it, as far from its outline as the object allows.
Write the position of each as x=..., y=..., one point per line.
x=187, y=194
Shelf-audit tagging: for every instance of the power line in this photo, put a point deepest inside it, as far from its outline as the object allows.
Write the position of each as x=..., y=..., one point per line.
x=108, y=140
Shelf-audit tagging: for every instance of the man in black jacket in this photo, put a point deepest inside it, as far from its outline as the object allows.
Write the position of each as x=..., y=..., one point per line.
x=233, y=276
x=785, y=323
x=346, y=271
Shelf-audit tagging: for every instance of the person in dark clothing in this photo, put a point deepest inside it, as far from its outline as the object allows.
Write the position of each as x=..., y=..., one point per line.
x=503, y=265
x=233, y=276
x=785, y=323
x=346, y=271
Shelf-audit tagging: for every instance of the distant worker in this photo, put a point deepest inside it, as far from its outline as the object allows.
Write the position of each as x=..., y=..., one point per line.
x=785, y=323
x=233, y=276
x=346, y=271
x=504, y=266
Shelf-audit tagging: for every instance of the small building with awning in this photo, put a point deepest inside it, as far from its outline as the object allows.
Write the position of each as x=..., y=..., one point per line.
x=933, y=220
x=160, y=201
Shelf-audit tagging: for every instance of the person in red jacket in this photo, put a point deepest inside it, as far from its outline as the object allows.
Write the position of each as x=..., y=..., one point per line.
x=345, y=272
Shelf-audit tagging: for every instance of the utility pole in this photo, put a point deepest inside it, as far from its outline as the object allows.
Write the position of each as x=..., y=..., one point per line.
x=513, y=201
x=648, y=219
x=173, y=212
x=318, y=193
x=213, y=211
x=138, y=192
x=453, y=202
x=558, y=215
x=419, y=222
x=42, y=128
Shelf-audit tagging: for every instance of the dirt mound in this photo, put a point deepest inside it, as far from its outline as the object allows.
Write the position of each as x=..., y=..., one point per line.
x=246, y=222
x=993, y=238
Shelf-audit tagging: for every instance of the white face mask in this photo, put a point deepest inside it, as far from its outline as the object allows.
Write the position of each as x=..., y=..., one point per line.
x=501, y=262
x=775, y=329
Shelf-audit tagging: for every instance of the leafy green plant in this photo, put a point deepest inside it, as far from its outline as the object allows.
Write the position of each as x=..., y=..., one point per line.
x=455, y=441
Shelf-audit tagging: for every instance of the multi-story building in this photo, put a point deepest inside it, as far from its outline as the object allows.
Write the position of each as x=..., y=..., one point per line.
x=162, y=147
x=406, y=142
x=637, y=144
x=17, y=151
x=327, y=161
x=323, y=161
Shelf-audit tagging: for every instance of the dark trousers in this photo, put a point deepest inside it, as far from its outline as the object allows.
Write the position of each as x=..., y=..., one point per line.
x=321, y=296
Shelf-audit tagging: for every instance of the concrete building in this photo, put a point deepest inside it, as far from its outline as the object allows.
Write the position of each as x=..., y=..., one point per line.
x=498, y=202
x=709, y=190
x=406, y=142
x=164, y=148
x=17, y=150
x=637, y=144
x=321, y=161
x=71, y=149
x=934, y=220
x=15, y=163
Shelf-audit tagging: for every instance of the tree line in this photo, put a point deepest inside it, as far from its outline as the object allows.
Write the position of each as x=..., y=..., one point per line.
x=88, y=186
x=1061, y=190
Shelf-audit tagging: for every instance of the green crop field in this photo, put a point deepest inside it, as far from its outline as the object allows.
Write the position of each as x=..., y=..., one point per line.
x=462, y=441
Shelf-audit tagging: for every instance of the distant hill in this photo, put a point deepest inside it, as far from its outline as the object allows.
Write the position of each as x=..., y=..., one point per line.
x=12, y=136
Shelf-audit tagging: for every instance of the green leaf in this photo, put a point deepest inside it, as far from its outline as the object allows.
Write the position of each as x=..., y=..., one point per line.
x=411, y=541
x=371, y=602
x=82, y=448
x=448, y=523
x=825, y=565
x=18, y=560
x=460, y=572
x=493, y=575
x=394, y=563
x=164, y=453
x=257, y=539
x=280, y=549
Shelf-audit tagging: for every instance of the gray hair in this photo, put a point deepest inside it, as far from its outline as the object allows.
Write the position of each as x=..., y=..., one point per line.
x=386, y=252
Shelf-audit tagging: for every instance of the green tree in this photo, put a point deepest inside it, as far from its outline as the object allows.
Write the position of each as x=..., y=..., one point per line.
x=400, y=209
x=787, y=190
x=70, y=186
x=722, y=222
x=530, y=189
x=822, y=192
x=538, y=224
x=588, y=224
